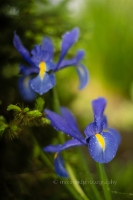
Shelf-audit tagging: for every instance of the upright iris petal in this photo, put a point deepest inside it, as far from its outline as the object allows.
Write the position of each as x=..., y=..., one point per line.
x=21, y=49
x=90, y=130
x=98, y=106
x=69, y=38
x=48, y=46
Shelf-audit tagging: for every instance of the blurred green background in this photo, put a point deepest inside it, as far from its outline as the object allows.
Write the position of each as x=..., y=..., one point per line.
x=106, y=35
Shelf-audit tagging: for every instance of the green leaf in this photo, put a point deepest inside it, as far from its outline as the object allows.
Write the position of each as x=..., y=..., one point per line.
x=39, y=105
x=34, y=113
x=3, y=127
x=25, y=110
x=14, y=108
x=45, y=121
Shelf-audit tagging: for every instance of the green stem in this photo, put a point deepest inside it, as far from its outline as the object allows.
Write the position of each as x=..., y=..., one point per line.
x=56, y=108
x=93, y=187
x=73, y=192
x=39, y=152
x=55, y=101
x=103, y=178
x=75, y=182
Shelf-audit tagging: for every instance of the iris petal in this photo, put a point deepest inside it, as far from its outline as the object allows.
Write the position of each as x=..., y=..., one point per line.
x=73, y=61
x=115, y=134
x=36, y=54
x=83, y=75
x=90, y=130
x=50, y=65
x=61, y=124
x=39, y=55
x=59, y=166
x=100, y=154
x=21, y=49
x=98, y=106
x=69, y=38
x=46, y=56
x=42, y=85
x=104, y=122
x=81, y=70
x=25, y=90
x=61, y=147
x=28, y=70
x=68, y=116
x=48, y=45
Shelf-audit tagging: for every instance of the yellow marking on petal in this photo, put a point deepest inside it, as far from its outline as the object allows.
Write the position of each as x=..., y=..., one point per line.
x=100, y=140
x=56, y=154
x=42, y=67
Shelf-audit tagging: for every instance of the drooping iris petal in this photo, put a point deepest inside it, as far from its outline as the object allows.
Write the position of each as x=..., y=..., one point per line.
x=59, y=166
x=115, y=134
x=73, y=61
x=83, y=75
x=68, y=116
x=81, y=70
x=48, y=45
x=43, y=84
x=22, y=50
x=61, y=147
x=28, y=70
x=98, y=106
x=25, y=90
x=90, y=130
x=50, y=65
x=61, y=124
x=69, y=38
x=102, y=147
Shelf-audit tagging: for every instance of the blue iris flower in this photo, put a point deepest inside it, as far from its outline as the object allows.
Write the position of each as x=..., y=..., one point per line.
x=102, y=142
x=39, y=75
